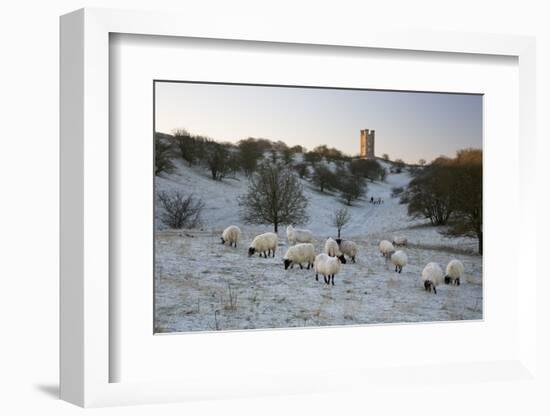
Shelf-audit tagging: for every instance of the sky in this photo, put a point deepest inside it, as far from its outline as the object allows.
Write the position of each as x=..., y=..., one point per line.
x=408, y=125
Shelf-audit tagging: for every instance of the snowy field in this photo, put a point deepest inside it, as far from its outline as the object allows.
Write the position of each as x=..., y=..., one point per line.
x=202, y=285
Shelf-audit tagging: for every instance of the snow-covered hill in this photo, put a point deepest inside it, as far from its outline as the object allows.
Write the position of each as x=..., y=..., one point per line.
x=377, y=221
x=202, y=285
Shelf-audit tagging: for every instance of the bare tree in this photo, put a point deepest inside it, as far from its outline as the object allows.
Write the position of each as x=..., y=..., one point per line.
x=163, y=151
x=275, y=196
x=323, y=177
x=187, y=146
x=217, y=158
x=340, y=218
x=180, y=211
x=422, y=162
x=351, y=187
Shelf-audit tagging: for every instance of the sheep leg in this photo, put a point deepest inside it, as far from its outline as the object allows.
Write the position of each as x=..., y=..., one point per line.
x=353, y=259
x=316, y=277
x=457, y=281
x=332, y=280
x=326, y=281
x=396, y=268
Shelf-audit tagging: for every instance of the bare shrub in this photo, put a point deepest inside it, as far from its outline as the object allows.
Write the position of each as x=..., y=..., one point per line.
x=180, y=211
x=231, y=303
x=340, y=218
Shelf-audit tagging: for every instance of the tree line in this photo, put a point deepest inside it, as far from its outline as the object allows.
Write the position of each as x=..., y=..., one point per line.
x=449, y=192
x=275, y=195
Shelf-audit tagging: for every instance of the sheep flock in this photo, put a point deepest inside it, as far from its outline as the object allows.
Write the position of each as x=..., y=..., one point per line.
x=301, y=252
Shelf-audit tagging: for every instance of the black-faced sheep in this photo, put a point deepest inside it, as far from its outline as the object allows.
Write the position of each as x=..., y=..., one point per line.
x=231, y=235
x=453, y=273
x=348, y=248
x=400, y=241
x=298, y=254
x=333, y=250
x=264, y=243
x=385, y=248
x=399, y=260
x=327, y=266
x=432, y=276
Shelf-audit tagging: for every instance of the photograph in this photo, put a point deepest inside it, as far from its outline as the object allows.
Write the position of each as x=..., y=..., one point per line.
x=284, y=206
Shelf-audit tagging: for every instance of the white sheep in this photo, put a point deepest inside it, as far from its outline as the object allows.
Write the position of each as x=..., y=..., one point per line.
x=332, y=248
x=232, y=235
x=453, y=273
x=432, y=276
x=400, y=241
x=327, y=266
x=399, y=259
x=298, y=254
x=385, y=247
x=295, y=235
x=347, y=247
x=263, y=243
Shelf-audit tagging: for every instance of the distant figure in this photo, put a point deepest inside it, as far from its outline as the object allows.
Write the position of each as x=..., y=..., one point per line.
x=371, y=199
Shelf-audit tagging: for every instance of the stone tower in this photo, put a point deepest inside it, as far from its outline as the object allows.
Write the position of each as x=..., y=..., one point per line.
x=367, y=144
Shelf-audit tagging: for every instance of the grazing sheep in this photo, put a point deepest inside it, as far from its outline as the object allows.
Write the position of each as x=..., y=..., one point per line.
x=232, y=235
x=400, y=241
x=385, y=247
x=263, y=243
x=298, y=254
x=453, y=273
x=332, y=249
x=295, y=235
x=399, y=260
x=327, y=266
x=432, y=276
x=347, y=247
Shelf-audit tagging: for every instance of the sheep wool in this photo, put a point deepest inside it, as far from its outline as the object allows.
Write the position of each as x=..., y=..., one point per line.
x=454, y=272
x=399, y=241
x=265, y=244
x=399, y=259
x=298, y=254
x=385, y=247
x=331, y=248
x=231, y=235
x=432, y=276
x=295, y=235
x=327, y=266
x=348, y=248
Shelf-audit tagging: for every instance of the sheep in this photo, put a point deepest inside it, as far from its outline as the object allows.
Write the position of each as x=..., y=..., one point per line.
x=332, y=249
x=298, y=254
x=296, y=235
x=348, y=248
x=453, y=273
x=263, y=243
x=400, y=241
x=399, y=260
x=327, y=266
x=231, y=234
x=432, y=276
x=385, y=247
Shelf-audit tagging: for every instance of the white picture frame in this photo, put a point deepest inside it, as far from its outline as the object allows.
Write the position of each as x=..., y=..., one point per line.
x=85, y=354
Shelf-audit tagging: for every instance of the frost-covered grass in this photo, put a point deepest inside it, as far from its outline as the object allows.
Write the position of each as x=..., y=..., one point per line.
x=203, y=285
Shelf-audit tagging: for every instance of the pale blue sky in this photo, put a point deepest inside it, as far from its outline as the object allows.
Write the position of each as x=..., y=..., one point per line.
x=408, y=125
